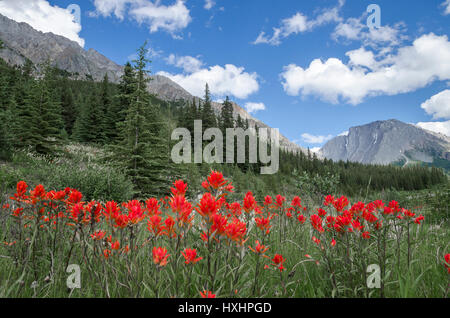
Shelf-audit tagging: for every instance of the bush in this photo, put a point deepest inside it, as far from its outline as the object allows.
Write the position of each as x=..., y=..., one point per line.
x=95, y=182
x=99, y=182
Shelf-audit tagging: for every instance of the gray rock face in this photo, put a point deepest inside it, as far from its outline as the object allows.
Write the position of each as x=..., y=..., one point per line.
x=22, y=41
x=384, y=142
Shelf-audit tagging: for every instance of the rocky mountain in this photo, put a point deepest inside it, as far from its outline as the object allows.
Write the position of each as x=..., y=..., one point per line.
x=388, y=141
x=22, y=42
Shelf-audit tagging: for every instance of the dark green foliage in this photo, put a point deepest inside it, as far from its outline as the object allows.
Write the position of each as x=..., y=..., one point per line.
x=207, y=113
x=142, y=151
x=110, y=111
x=40, y=118
x=68, y=106
x=226, y=117
x=89, y=126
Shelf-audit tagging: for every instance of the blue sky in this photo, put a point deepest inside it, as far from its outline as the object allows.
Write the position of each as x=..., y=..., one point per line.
x=310, y=68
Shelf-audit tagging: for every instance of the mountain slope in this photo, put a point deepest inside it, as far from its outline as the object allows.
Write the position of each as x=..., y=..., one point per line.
x=389, y=141
x=23, y=42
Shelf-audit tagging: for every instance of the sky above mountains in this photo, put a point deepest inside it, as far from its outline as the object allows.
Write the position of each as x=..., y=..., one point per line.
x=310, y=68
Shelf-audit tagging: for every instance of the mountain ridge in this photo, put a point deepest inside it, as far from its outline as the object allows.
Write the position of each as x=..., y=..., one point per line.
x=386, y=142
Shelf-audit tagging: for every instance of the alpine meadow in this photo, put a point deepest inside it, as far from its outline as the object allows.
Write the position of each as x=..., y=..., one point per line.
x=224, y=150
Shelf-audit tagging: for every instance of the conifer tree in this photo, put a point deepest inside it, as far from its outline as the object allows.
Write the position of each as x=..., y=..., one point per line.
x=5, y=119
x=108, y=124
x=207, y=114
x=40, y=119
x=126, y=89
x=88, y=126
x=141, y=151
x=67, y=106
x=226, y=115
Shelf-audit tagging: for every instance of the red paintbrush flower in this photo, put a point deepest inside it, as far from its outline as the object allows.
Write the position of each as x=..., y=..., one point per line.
x=216, y=179
x=180, y=188
x=249, y=202
x=259, y=248
x=207, y=206
x=207, y=294
x=160, y=256
x=278, y=261
x=190, y=256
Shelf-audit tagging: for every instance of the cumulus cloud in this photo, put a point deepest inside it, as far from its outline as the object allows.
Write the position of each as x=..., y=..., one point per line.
x=312, y=139
x=362, y=57
x=188, y=63
x=43, y=17
x=229, y=80
x=171, y=18
x=254, y=107
x=446, y=6
x=107, y=8
x=299, y=23
x=209, y=4
x=411, y=68
x=442, y=127
x=438, y=105
x=356, y=29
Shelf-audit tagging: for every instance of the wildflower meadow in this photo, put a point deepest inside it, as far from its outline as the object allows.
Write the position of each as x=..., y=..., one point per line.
x=56, y=244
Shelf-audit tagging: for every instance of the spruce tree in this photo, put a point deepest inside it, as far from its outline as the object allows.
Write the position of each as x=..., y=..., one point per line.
x=5, y=117
x=108, y=124
x=226, y=115
x=207, y=114
x=141, y=151
x=40, y=117
x=68, y=106
x=126, y=89
x=226, y=120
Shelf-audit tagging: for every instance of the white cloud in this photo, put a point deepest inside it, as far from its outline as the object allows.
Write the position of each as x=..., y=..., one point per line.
x=229, y=80
x=254, y=107
x=362, y=57
x=312, y=139
x=315, y=149
x=188, y=63
x=108, y=7
x=412, y=67
x=355, y=29
x=43, y=17
x=344, y=133
x=209, y=4
x=446, y=6
x=438, y=105
x=442, y=127
x=299, y=23
x=170, y=18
